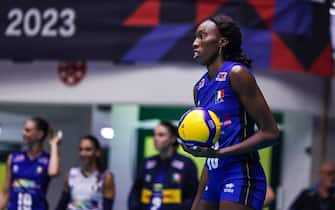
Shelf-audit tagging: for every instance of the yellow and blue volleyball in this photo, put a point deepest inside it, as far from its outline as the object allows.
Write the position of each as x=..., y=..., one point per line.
x=199, y=127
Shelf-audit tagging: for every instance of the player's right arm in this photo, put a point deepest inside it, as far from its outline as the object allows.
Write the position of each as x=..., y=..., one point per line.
x=5, y=190
x=201, y=188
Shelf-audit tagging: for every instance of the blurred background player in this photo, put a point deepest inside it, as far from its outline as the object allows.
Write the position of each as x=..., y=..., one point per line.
x=233, y=178
x=322, y=195
x=89, y=186
x=28, y=172
x=165, y=181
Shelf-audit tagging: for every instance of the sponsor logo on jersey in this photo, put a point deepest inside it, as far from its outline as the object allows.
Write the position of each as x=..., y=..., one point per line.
x=19, y=158
x=219, y=96
x=158, y=187
x=39, y=169
x=201, y=83
x=222, y=76
x=176, y=178
x=229, y=188
x=178, y=164
x=227, y=120
x=147, y=178
x=43, y=160
x=150, y=164
x=24, y=183
x=15, y=168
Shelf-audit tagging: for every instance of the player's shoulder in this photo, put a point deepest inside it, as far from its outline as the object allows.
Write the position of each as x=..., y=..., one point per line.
x=237, y=69
x=17, y=156
x=154, y=157
x=181, y=162
x=44, y=158
x=309, y=192
x=74, y=171
x=201, y=79
x=45, y=154
x=185, y=159
x=14, y=153
x=150, y=162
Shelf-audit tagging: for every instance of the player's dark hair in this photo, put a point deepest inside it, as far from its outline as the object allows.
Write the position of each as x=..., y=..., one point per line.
x=42, y=125
x=231, y=31
x=96, y=143
x=173, y=130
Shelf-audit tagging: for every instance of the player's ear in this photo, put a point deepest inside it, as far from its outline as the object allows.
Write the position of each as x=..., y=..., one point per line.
x=40, y=134
x=223, y=41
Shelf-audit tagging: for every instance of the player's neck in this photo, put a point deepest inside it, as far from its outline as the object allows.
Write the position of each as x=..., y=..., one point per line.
x=214, y=67
x=89, y=169
x=165, y=154
x=34, y=150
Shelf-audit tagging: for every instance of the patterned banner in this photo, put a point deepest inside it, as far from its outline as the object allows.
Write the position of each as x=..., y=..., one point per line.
x=280, y=35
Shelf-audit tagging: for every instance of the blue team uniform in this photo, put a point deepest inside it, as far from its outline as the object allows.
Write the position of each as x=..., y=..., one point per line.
x=168, y=184
x=29, y=182
x=238, y=178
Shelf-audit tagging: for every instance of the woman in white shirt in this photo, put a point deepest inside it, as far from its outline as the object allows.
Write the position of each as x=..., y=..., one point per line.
x=89, y=186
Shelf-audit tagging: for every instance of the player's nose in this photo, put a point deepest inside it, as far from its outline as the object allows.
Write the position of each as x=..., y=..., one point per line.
x=195, y=44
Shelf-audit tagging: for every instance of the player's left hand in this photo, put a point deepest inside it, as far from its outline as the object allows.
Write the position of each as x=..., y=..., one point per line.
x=198, y=151
x=55, y=138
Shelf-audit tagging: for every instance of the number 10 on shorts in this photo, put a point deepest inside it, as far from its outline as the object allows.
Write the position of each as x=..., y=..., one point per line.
x=24, y=201
x=212, y=163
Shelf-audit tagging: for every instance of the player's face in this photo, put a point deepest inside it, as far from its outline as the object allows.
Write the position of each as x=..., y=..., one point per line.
x=327, y=175
x=30, y=132
x=162, y=138
x=206, y=42
x=87, y=152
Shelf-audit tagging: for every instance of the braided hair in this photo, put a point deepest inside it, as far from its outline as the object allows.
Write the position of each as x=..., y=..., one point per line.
x=229, y=29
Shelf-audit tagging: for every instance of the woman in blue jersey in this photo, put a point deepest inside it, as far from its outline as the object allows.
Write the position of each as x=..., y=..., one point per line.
x=28, y=172
x=88, y=187
x=232, y=178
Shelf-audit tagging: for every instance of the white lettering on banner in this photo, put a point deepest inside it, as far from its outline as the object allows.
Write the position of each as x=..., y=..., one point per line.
x=34, y=22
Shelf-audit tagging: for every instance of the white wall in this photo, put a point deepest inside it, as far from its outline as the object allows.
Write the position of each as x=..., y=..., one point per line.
x=123, y=150
x=145, y=84
x=11, y=127
x=166, y=84
x=296, y=164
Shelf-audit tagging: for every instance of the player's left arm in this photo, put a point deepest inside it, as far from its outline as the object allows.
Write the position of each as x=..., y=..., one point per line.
x=252, y=99
x=108, y=191
x=54, y=162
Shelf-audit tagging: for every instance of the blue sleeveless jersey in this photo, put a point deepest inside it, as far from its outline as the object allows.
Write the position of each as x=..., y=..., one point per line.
x=29, y=182
x=217, y=95
x=238, y=178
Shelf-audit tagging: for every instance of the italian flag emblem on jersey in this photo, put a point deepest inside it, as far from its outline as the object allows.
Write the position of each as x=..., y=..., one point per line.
x=219, y=95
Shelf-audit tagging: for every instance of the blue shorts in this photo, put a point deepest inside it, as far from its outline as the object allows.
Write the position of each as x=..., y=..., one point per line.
x=239, y=182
